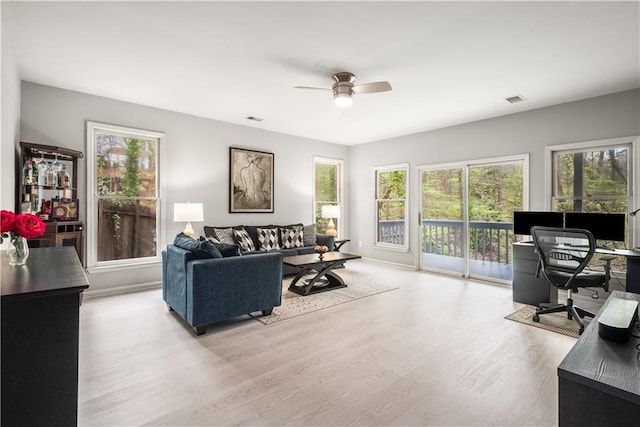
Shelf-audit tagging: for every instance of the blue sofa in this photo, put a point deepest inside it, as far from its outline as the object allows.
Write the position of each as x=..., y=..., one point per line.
x=205, y=291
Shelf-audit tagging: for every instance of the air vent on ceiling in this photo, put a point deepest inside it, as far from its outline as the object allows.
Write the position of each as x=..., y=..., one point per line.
x=255, y=119
x=516, y=98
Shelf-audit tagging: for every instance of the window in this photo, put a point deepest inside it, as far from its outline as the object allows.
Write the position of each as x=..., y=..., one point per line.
x=592, y=180
x=592, y=177
x=392, y=184
x=327, y=179
x=123, y=195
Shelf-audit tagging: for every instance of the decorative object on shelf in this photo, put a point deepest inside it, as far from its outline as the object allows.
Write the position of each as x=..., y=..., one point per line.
x=321, y=250
x=62, y=209
x=187, y=212
x=331, y=211
x=64, y=180
x=18, y=228
x=250, y=181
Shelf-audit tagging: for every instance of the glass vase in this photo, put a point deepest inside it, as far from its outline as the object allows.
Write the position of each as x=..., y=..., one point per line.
x=18, y=252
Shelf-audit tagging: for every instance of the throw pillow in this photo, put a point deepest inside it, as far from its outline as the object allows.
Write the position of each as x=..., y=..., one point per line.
x=244, y=240
x=225, y=250
x=200, y=249
x=225, y=235
x=268, y=239
x=292, y=237
x=309, y=237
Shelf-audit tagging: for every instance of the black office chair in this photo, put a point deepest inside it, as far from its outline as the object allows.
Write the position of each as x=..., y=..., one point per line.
x=563, y=254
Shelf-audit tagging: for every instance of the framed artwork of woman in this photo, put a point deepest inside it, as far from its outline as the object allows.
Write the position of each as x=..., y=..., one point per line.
x=251, y=181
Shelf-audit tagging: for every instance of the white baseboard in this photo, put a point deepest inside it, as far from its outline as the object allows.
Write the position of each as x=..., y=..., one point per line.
x=396, y=264
x=121, y=290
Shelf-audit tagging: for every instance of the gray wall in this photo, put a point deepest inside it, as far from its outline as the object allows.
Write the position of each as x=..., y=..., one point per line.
x=609, y=116
x=10, y=94
x=197, y=158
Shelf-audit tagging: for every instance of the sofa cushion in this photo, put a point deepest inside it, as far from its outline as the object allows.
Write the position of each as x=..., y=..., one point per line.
x=306, y=250
x=309, y=235
x=292, y=237
x=268, y=239
x=199, y=248
x=243, y=240
x=289, y=252
x=225, y=250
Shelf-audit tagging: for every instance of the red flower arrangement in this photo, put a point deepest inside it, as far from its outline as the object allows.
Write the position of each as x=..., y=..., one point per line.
x=17, y=228
x=21, y=225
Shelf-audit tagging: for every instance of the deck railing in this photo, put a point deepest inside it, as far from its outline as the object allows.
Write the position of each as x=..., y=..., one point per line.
x=489, y=241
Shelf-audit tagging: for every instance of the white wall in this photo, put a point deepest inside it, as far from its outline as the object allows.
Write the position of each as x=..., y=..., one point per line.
x=197, y=160
x=10, y=95
x=609, y=116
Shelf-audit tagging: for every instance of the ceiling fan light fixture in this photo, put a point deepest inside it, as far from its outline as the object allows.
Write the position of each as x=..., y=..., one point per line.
x=342, y=99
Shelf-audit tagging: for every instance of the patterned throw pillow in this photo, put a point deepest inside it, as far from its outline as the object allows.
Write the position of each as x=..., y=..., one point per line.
x=225, y=235
x=309, y=237
x=268, y=239
x=292, y=237
x=244, y=240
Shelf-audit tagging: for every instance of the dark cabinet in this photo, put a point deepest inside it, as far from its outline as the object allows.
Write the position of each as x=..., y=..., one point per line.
x=47, y=186
x=527, y=288
x=40, y=330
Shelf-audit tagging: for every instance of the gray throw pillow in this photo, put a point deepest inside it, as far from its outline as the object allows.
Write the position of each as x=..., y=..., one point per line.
x=225, y=235
x=309, y=236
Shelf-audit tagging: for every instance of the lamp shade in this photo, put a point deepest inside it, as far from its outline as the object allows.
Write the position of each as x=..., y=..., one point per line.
x=187, y=212
x=331, y=211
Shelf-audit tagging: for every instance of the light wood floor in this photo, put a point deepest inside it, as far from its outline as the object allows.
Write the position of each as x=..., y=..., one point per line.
x=437, y=351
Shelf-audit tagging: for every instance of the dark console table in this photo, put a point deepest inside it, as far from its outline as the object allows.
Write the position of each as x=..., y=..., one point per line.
x=40, y=325
x=599, y=380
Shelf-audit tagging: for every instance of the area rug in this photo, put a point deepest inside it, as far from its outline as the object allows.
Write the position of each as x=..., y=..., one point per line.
x=555, y=322
x=294, y=305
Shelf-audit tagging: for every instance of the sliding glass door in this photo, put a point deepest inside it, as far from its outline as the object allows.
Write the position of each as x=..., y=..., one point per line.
x=442, y=219
x=466, y=217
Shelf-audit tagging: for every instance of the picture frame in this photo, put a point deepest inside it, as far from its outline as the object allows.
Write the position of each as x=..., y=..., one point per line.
x=63, y=209
x=251, y=175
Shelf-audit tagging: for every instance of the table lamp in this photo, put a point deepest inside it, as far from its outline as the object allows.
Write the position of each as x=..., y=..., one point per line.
x=331, y=211
x=187, y=212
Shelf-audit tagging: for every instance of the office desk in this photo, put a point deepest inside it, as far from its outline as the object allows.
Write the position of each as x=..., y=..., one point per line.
x=529, y=289
x=598, y=380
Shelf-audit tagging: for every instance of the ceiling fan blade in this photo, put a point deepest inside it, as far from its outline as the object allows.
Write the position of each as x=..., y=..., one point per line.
x=372, y=87
x=310, y=87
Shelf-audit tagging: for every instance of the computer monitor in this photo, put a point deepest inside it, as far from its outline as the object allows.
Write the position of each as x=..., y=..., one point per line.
x=524, y=220
x=603, y=226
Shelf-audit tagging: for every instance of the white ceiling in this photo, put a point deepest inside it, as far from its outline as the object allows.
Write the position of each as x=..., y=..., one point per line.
x=448, y=62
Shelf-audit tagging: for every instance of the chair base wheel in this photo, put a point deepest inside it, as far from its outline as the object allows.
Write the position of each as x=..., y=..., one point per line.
x=536, y=318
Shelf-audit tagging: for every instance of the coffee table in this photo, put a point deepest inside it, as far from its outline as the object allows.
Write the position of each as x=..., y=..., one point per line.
x=319, y=273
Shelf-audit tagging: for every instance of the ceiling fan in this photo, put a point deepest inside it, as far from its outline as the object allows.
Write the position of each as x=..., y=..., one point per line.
x=344, y=88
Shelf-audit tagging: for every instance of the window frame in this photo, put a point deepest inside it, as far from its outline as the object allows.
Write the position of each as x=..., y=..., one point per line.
x=93, y=265
x=339, y=163
x=407, y=232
